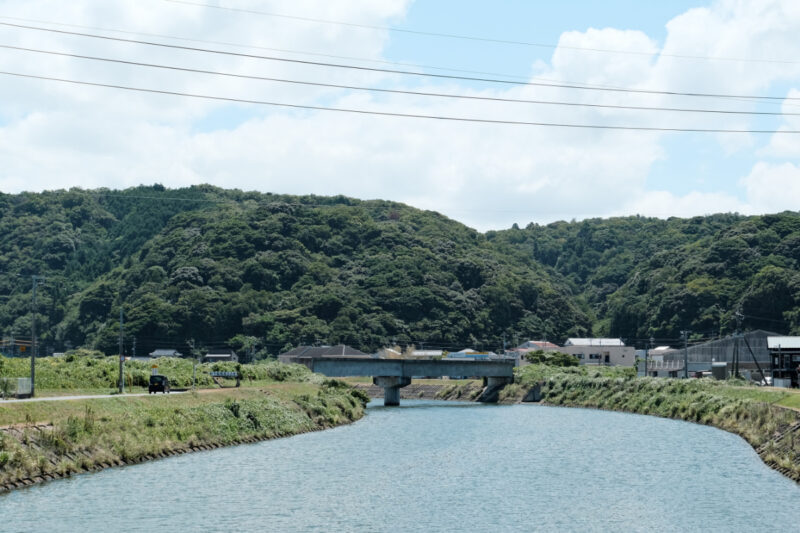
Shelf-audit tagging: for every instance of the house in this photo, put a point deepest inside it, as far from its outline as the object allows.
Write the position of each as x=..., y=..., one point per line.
x=165, y=353
x=220, y=356
x=469, y=353
x=598, y=351
x=303, y=354
x=426, y=354
x=785, y=354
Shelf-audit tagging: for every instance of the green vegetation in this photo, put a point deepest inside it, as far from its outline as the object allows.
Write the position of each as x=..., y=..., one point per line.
x=61, y=438
x=95, y=372
x=551, y=358
x=264, y=272
x=644, y=277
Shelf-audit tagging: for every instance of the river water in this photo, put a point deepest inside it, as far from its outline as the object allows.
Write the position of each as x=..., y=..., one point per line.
x=435, y=466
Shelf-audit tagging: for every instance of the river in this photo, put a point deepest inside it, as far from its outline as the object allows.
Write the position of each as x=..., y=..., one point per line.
x=436, y=466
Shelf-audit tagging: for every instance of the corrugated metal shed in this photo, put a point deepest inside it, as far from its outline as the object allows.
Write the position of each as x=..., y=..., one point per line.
x=788, y=343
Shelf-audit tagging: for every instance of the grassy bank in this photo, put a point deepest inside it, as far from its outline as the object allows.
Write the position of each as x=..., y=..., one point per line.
x=84, y=372
x=45, y=440
x=756, y=414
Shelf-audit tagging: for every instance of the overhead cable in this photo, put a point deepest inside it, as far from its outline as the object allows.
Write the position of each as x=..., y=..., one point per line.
x=393, y=91
x=481, y=39
x=392, y=71
x=333, y=56
x=397, y=114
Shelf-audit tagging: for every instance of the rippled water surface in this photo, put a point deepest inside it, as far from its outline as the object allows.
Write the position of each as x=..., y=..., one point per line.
x=431, y=466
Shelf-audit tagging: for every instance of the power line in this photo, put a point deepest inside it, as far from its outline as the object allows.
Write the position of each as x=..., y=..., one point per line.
x=480, y=39
x=401, y=72
x=272, y=49
x=350, y=58
x=396, y=114
x=393, y=91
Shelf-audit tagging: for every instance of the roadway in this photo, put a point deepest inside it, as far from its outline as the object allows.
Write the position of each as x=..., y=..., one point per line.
x=85, y=397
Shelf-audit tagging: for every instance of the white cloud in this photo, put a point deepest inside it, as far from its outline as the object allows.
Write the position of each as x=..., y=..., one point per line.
x=663, y=204
x=771, y=188
x=489, y=176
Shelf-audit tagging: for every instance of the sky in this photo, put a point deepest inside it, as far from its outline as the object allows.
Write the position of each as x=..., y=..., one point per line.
x=57, y=135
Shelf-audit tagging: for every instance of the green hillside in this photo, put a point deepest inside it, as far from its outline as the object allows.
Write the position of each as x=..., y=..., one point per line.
x=223, y=267
x=265, y=272
x=646, y=277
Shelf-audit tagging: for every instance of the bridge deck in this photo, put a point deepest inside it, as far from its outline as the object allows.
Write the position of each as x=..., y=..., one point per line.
x=410, y=368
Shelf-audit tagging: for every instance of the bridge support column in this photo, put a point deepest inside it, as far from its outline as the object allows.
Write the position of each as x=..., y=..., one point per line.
x=391, y=388
x=498, y=381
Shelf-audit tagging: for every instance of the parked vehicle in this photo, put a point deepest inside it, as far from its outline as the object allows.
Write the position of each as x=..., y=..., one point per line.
x=158, y=384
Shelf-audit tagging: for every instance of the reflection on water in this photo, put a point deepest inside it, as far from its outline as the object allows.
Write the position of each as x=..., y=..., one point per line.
x=435, y=466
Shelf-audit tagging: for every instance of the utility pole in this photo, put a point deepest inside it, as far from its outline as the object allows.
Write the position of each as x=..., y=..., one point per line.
x=190, y=342
x=739, y=317
x=36, y=281
x=647, y=354
x=121, y=356
x=685, y=334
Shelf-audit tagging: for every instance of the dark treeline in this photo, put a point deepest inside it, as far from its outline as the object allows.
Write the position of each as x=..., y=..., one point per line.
x=262, y=272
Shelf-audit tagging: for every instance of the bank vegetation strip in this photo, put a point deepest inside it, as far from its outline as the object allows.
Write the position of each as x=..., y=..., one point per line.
x=40, y=441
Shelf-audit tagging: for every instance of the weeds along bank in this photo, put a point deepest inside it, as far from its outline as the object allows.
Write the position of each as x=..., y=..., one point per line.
x=770, y=429
x=86, y=370
x=40, y=441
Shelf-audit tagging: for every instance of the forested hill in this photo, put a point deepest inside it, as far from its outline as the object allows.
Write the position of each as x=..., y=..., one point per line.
x=214, y=265
x=249, y=269
x=645, y=277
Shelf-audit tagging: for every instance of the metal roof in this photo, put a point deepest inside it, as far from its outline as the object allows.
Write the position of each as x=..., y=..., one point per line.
x=165, y=352
x=593, y=342
x=789, y=343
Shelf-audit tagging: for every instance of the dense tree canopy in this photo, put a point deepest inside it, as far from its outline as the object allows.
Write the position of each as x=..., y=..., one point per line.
x=210, y=265
x=264, y=272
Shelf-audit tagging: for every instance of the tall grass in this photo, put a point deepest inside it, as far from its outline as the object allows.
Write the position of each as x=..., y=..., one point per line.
x=88, y=433
x=86, y=372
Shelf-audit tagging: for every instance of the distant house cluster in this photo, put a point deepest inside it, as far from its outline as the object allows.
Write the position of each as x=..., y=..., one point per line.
x=587, y=351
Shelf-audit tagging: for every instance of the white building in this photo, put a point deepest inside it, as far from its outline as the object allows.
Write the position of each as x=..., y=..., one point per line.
x=593, y=351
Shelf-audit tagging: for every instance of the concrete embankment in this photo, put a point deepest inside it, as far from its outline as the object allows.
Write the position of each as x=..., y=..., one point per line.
x=90, y=435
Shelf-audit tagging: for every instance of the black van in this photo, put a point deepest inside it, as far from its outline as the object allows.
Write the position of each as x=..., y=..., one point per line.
x=158, y=384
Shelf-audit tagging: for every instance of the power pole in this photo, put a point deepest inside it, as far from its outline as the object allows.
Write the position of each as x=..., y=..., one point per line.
x=36, y=281
x=121, y=355
x=739, y=317
x=647, y=354
x=190, y=342
x=685, y=334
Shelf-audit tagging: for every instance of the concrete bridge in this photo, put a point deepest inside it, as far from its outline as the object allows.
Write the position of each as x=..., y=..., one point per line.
x=393, y=374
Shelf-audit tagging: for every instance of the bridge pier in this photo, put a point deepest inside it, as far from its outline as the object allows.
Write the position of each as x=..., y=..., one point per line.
x=495, y=381
x=391, y=388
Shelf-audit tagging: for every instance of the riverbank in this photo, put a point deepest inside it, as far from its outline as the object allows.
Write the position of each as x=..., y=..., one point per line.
x=753, y=413
x=41, y=441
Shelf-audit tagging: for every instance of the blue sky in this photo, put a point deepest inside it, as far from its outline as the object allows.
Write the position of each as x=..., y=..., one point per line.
x=54, y=135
